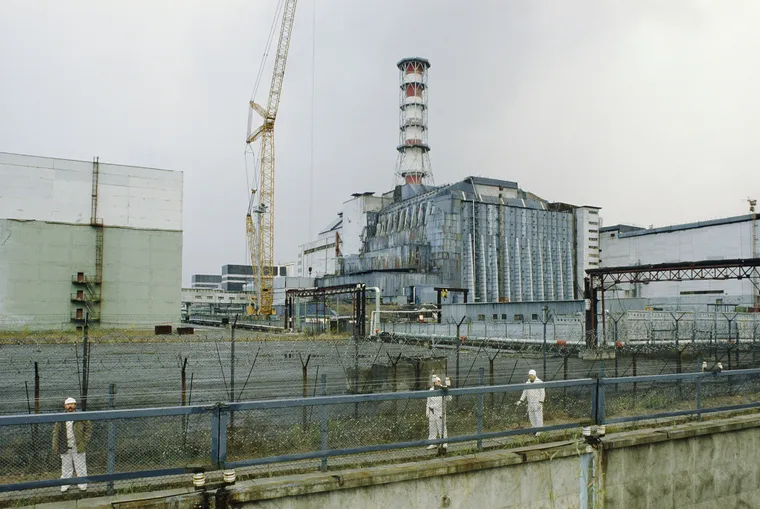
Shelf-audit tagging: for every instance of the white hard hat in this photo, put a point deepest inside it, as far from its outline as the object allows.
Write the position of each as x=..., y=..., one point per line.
x=69, y=401
x=435, y=379
x=532, y=372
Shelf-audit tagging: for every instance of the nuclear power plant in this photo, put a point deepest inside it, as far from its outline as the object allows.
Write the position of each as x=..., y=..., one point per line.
x=484, y=234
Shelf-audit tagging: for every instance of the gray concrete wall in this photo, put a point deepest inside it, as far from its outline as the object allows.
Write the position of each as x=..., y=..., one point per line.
x=714, y=466
x=142, y=274
x=474, y=311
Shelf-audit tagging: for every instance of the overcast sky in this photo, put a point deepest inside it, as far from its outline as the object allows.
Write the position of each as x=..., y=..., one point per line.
x=648, y=109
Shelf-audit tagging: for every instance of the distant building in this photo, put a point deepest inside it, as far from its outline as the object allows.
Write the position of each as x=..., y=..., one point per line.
x=235, y=277
x=488, y=236
x=719, y=239
x=207, y=281
x=317, y=258
x=501, y=243
x=85, y=240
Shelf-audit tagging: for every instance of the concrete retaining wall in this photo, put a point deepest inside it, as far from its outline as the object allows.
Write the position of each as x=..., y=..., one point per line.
x=699, y=465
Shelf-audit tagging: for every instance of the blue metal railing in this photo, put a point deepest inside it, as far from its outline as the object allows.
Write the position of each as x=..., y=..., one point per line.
x=601, y=391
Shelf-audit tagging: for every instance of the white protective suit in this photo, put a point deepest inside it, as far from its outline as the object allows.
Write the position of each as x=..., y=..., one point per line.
x=434, y=412
x=71, y=460
x=535, y=399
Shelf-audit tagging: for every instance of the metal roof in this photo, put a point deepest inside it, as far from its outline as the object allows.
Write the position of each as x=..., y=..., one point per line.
x=634, y=231
x=413, y=59
x=622, y=228
x=485, y=181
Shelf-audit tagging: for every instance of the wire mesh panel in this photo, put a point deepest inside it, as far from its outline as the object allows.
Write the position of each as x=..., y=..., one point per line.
x=273, y=432
x=27, y=454
x=649, y=398
x=151, y=443
x=728, y=390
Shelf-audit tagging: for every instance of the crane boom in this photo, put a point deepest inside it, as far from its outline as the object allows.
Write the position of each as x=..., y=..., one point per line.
x=261, y=233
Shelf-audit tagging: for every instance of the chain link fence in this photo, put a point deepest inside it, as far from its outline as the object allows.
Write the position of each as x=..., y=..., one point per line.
x=161, y=447
x=42, y=369
x=272, y=437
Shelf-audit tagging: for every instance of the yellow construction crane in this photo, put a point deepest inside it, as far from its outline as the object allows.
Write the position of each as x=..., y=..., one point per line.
x=261, y=232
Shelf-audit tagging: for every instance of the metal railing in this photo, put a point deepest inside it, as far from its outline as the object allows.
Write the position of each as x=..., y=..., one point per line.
x=290, y=434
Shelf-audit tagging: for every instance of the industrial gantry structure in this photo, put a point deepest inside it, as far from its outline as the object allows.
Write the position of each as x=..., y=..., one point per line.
x=261, y=232
x=603, y=279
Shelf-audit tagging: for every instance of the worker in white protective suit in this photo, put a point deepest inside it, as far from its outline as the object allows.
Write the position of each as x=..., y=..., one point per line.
x=435, y=411
x=535, y=399
x=70, y=438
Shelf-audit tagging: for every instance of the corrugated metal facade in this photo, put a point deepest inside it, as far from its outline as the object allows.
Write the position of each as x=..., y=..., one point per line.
x=502, y=244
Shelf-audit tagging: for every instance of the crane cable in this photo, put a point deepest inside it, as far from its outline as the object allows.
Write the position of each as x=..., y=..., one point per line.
x=311, y=134
x=251, y=183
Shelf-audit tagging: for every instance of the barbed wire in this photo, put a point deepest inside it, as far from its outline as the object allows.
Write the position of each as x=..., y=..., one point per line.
x=147, y=369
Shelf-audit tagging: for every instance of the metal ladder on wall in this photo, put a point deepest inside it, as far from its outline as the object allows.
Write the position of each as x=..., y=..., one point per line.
x=95, y=289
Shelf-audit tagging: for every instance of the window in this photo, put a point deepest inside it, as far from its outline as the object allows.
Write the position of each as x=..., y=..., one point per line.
x=593, y=212
x=495, y=316
x=503, y=316
x=593, y=263
x=518, y=318
x=593, y=255
x=593, y=239
x=593, y=222
x=534, y=316
x=482, y=318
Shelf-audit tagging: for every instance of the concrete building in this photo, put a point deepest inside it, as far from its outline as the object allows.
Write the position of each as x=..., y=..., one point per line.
x=319, y=257
x=210, y=301
x=81, y=239
x=234, y=278
x=728, y=238
x=206, y=281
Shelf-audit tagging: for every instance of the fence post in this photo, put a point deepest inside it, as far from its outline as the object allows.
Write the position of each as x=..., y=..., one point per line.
x=35, y=427
x=564, y=377
x=600, y=395
x=323, y=431
x=224, y=416
x=215, y=436
x=85, y=363
x=480, y=409
x=699, y=399
x=634, y=374
x=111, y=461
